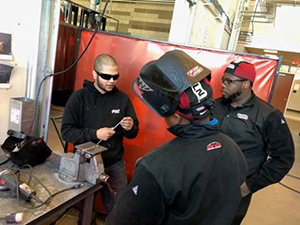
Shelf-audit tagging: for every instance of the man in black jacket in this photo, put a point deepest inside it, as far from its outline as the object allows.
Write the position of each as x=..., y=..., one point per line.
x=91, y=114
x=258, y=128
x=195, y=178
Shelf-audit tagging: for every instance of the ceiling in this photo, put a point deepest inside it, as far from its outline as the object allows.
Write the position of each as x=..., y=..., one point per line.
x=288, y=57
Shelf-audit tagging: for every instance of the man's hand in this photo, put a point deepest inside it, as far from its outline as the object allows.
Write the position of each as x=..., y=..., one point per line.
x=105, y=133
x=244, y=190
x=127, y=123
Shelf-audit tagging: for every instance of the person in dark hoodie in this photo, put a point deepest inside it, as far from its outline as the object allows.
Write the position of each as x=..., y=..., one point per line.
x=195, y=178
x=91, y=114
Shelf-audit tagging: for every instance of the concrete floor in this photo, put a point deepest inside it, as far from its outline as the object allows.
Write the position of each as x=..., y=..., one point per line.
x=274, y=205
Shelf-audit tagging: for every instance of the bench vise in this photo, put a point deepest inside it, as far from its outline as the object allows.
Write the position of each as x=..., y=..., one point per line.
x=84, y=165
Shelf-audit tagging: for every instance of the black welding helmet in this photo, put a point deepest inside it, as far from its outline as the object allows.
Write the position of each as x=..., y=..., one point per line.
x=175, y=83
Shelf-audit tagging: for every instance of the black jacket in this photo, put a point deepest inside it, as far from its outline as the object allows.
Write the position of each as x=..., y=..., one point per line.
x=264, y=137
x=193, y=179
x=88, y=110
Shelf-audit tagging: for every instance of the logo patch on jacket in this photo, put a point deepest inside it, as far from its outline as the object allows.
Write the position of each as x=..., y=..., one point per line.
x=135, y=189
x=194, y=71
x=213, y=145
x=242, y=116
x=142, y=85
x=115, y=111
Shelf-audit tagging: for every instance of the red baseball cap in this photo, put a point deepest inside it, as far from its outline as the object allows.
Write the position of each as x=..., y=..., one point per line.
x=242, y=69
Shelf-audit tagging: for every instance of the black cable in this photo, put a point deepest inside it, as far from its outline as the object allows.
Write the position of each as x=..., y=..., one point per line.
x=70, y=67
x=252, y=22
x=30, y=170
x=4, y=162
x=48, y=200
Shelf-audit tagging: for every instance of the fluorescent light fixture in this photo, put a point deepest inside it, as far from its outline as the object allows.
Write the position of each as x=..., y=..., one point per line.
x=270, y=51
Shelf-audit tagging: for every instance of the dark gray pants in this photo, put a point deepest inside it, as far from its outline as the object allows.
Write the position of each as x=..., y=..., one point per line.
x=242, y=211
x=117, y=181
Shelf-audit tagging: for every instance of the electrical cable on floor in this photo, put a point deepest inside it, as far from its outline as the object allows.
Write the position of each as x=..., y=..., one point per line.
x=70, y=67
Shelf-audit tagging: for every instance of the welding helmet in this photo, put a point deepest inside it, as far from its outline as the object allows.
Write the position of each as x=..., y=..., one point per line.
x=23, y=149
x=175, y=83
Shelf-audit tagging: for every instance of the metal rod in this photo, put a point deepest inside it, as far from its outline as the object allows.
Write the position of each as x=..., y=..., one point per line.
x=58, y=134
x=113, y=129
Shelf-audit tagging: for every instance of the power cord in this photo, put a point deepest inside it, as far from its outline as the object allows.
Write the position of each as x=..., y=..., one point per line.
x=70, y=67
x=12, y=218
x=252, y=22
x=33, y=196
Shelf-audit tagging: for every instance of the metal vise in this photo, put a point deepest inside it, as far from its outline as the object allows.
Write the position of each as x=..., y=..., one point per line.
x=85, y=165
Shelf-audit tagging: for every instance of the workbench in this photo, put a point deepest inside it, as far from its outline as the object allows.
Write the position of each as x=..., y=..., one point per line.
x=47, y=173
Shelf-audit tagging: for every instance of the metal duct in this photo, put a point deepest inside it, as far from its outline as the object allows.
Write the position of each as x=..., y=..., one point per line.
x=268, y=13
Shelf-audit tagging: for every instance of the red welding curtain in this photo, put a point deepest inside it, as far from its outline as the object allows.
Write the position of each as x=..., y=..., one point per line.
x=132, y=53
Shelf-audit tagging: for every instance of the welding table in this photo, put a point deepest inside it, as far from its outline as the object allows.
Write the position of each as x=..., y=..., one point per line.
x=47, y=173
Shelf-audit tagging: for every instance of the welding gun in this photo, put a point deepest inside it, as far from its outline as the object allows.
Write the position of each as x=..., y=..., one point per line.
x=9, y=180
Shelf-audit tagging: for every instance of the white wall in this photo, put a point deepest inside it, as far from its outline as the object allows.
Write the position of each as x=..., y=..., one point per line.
x=181, y=22
x=197, y=25
x=22, y=19
x=284, y=34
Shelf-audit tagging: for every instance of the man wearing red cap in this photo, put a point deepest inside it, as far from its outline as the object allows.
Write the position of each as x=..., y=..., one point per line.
x=195, y=178
x=258, y=128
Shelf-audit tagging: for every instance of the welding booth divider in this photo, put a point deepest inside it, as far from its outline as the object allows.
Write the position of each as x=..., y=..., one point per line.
x=132, y=53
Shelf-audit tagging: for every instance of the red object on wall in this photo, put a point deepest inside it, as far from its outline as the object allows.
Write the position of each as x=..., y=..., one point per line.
x=132, y=53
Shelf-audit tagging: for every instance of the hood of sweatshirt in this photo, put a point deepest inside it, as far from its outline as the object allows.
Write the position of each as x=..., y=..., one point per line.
x=89, y=85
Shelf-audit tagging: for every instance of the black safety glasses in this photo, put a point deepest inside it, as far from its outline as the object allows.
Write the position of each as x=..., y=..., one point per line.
x=227, y=81
x=107, y=76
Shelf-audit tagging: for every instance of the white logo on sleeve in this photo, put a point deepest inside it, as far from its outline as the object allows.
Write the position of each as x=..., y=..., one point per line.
x=135, y=189
x=115, y=111
x=282, y=121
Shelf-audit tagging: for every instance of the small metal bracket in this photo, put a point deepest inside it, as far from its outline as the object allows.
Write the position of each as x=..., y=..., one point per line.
x=192, y=2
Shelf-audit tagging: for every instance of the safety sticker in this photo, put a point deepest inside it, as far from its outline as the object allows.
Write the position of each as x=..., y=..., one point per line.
x=15, y=115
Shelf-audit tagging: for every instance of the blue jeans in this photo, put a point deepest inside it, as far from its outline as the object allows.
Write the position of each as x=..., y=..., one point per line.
x=117, y=181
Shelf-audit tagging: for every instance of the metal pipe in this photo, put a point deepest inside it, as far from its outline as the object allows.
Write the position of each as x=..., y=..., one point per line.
x=171, y=2
x=259, y=21
x=253, y=12
x=235, y=28
x=293, y=2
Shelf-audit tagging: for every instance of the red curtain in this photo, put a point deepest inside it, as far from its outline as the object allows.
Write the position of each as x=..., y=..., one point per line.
x=132, y=53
